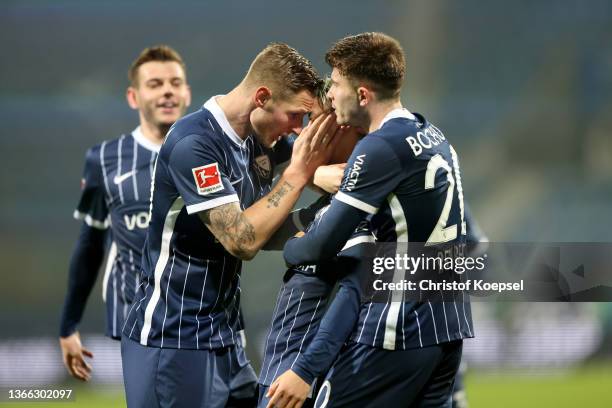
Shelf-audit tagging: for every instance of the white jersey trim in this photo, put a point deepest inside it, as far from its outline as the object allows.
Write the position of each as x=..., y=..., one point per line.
x=401, y=231
x=358, y=240
x=397, y=113
x=207, y=205
x=89, y=220
x=110, y=262
x=221, y=119
x=352, y=201
x=144, y=142
x=164, y=255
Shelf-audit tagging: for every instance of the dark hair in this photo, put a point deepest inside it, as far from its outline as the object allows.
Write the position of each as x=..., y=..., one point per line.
x=156, y=53
x=284, y=70
x=375, y=58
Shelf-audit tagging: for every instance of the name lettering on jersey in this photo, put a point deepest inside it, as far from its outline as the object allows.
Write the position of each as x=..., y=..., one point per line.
x=263, y=166
x=426, y=139
x=353, y=175
x=207, y=178
x=140, y=220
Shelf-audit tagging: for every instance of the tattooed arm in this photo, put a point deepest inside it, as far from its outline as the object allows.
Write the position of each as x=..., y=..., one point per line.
x=244, y=233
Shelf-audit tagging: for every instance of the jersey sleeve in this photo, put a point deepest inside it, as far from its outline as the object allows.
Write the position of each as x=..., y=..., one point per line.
x=83, y=271
x=372, y=172
x=92, y=207
x=333, y=332
x=200, y=175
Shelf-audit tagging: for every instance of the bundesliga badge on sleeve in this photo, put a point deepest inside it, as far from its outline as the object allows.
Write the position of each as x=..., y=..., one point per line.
x=207, y=179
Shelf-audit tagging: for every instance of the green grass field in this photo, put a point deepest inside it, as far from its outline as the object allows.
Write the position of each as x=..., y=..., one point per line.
x=588, y=387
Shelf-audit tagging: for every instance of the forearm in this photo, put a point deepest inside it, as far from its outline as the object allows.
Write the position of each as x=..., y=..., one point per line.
x=334, y=331
x=325, y=239
x=269, y=213
x=84, y=265
x=244, y=233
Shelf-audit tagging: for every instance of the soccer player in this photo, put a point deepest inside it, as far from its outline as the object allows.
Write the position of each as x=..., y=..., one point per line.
x=321, y=335
x=115, y=195
x=403, y=174
x=213, y=205
x=306, y=289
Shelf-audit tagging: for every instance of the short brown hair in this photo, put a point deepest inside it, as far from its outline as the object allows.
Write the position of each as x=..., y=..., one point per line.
x=375, y=58
x=284, y=70
x=156, y=53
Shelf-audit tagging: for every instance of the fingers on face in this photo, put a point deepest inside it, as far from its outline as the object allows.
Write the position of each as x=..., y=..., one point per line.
x=313, y=127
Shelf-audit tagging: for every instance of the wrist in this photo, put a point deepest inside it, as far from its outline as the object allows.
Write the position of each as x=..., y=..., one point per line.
x=296, y=177
x=304, y=374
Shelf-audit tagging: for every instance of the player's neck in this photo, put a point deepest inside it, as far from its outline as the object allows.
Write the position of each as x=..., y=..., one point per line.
x=237, y=108
x=155, y=134
x=378, y=111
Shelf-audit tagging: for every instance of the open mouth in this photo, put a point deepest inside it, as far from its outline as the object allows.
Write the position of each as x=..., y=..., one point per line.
x=168, y=105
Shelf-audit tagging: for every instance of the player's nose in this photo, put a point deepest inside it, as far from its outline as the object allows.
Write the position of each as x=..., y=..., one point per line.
x=168, y=89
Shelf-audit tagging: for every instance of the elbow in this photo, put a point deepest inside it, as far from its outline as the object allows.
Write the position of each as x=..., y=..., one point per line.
x=244, y=253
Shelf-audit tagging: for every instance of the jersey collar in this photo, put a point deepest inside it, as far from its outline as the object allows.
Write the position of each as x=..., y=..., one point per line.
x=221, y=119
x=397, y=113
x=143, y=141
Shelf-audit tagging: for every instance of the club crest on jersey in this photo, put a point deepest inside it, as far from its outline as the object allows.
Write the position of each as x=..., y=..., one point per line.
x=207, y=178
x=263, y=166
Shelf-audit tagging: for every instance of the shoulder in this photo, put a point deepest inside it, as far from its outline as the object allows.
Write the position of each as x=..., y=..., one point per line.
x=103, y=151
x=410, y=138
x=193, y=132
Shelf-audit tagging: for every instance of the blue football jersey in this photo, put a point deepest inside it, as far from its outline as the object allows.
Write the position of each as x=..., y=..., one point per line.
x=115, y=193
x=302, y=301
x=189, y=293
x=407, y=176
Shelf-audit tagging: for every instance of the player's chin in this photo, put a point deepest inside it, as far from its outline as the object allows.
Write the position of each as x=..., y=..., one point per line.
x=168, y=118
x=341, y=120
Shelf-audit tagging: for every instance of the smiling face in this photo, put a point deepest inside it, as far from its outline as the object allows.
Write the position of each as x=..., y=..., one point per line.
x=160, y=93
x=280, y=117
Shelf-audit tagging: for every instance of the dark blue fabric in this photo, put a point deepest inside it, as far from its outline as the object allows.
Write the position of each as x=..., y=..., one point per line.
x=369, y=377
x=166, y=377
x=85, y=263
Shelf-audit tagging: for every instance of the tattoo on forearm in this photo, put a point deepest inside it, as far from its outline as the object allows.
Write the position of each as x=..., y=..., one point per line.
x=274, y=198
x=229, y=224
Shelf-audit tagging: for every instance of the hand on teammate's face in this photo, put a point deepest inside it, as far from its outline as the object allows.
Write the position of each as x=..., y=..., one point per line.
x=74, y=354
x=288, y=391
x=315, y=144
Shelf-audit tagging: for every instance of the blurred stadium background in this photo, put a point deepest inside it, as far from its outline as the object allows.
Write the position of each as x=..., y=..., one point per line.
x=522, y=89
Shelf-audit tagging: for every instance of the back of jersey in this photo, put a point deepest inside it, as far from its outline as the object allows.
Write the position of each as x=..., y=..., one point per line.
x=407, y=176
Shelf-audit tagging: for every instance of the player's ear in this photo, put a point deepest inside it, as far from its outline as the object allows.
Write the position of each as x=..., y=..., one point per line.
x=262, y=95
x=188, y=96
x=132, y=99
x=364, y=95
